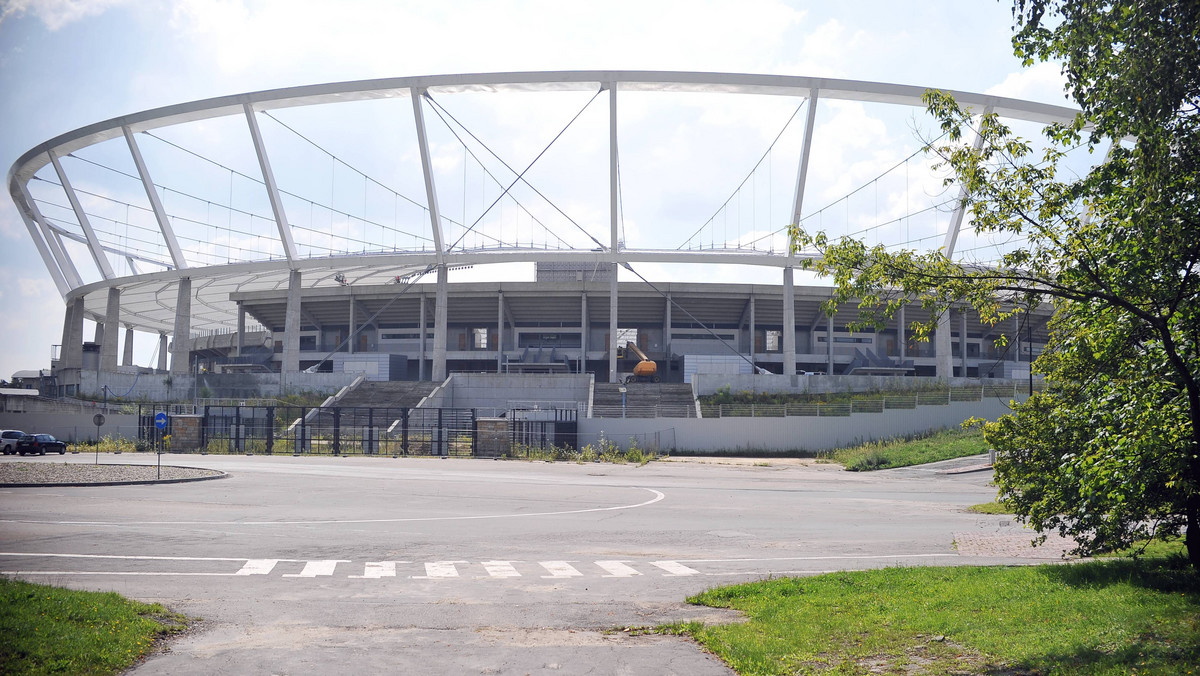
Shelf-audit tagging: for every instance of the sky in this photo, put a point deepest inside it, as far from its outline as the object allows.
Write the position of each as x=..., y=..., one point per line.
x=68, y=63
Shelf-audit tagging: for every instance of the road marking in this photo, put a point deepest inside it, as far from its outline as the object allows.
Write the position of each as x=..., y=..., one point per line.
x=316, y=569
x=675, y=568
x=112, y=572
x=435, y=570
x=377, y=569
x=131, y=558
x=500, y=568
x=258, y=567
x=617, y=569
x=559, y=569
x=658, y=496
x=826, y=558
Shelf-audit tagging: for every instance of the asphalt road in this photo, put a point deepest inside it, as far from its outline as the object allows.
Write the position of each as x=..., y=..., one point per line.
x=342, y=565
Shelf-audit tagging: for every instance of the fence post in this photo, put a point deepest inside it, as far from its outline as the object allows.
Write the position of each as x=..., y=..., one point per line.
x=302, y=442
x=369, y=447
x=337, y=430
x=237, y=428
x=270, y=430
x=404, y=430
x=475, y=430
x=440, y=433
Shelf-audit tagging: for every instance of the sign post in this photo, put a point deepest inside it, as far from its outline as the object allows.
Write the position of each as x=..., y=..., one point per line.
x=98, y=420
x=160, y=421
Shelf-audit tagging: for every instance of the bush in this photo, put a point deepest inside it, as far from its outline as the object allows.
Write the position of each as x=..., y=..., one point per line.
x=870, y=461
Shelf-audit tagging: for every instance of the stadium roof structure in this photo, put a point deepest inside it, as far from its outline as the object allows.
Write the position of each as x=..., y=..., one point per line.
x=101, y=220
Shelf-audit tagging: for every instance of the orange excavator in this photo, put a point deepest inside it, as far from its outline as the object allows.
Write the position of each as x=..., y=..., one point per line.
x=646, y=370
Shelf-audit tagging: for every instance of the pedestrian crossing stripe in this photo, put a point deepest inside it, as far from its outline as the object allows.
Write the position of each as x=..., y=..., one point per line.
x=437, y=570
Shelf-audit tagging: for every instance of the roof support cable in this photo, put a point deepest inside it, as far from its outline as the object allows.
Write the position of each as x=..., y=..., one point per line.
x=521, y=176
x=748, y=176
x=355, y=331
x=232, y=209
x=669, y=299
x=344, y=163
x=437, y=109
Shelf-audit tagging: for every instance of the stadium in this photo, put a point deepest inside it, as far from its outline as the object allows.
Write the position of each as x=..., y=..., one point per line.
x=391, y=230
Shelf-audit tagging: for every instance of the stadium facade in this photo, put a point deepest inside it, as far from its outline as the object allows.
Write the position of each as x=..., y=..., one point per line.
x=390, y=312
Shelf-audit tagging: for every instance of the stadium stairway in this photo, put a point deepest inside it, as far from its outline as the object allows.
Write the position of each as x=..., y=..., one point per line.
x=643, y=400
x=391, y=394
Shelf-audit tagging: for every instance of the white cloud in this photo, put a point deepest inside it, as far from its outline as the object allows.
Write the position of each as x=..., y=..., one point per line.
x=1043, y=82
x=36, y=288
x=9, y=227
x=57, y=13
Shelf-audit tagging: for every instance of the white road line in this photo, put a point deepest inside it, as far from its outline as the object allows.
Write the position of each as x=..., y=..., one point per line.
x=850, y=557
x=112, y=572
x=658, y=495
x=258, y=567
x=500, y=568
x=316, y=569
x=377, y=569
x=675, y=568
x=617, y=569
x=435, y=570
x=559, y=569
x=130, y=558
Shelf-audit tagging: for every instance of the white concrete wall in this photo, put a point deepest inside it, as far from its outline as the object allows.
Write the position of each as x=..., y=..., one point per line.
x=153, y=386
x=492, y=391
x=793, y=434
x=705, y=384
x=71, y=426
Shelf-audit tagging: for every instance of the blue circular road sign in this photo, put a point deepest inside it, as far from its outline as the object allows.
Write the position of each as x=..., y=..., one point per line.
x=160, y=420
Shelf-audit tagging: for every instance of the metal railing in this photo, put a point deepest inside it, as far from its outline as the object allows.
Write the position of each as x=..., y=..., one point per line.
x=866, y=403
x=339, y=430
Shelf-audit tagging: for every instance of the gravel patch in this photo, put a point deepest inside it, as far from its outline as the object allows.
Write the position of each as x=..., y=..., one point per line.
x=79, y=474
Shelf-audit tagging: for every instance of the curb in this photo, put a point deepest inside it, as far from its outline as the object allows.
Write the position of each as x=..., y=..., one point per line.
x=968, y=470
x=219, y=475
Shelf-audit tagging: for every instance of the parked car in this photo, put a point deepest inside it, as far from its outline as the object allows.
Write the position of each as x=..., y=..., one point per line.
x=8, y=441
x=40, y=443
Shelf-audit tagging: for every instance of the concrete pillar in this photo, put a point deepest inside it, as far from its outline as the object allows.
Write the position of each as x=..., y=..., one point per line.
x=1016, y=341
x=127, y=357
x=70, y=355
x=291, y=326
x=162, y=352
x=439, y=325
x=941, y=347
x=112, y=331
x=612, y=326
x=584, y=329
x=789, y=324
x=421, y=348
x=241, y=329
x=350, y=328
x=98, y=336
x=65, y=342
x=901, y=333
x=829, y=346
x=962, y=341
x=667, y=329
x=181, y=343
x=752, y=329
x=499, y=332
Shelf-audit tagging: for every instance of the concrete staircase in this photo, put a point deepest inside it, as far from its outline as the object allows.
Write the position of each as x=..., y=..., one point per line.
x=643, y=400
x=393, y=394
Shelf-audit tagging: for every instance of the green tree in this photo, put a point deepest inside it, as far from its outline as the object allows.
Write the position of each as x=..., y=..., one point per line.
x=1110, y=452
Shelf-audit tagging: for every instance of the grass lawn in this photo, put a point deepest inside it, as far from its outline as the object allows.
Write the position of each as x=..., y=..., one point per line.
x=993, y=507
x=1113, y=616
x=944, y=445
x=50, y=630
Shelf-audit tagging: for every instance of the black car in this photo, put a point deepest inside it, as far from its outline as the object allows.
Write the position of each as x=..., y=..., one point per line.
x=40, y=443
